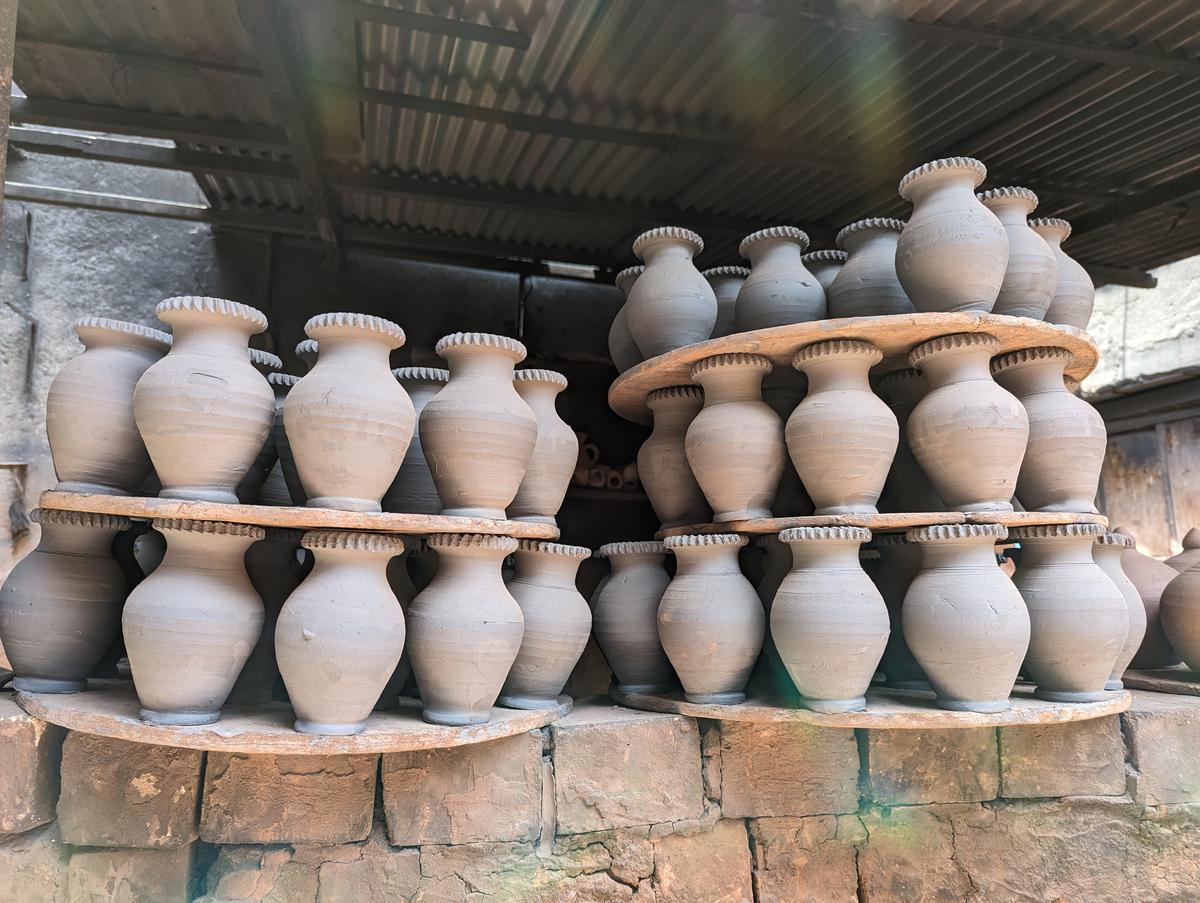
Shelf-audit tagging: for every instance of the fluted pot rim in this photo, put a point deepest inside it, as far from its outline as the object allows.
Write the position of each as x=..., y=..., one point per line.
x=421, y=374
x=824, y=534
x=944, y=166
x=505, y=544
x=153, y=338
x=556, y=549
x=734, y=360
x=1056, y=531
x=667, y=233
x=702, y=540
x=856, y=348
x=1030, y=355
x=730, y=272
x=539, y=376
x=1114, y=540
x=953, y=532
x=825, y=255
x=631, y=547
x=893, y=377
x=181, y=308
x=289, y=535
x=1055, y=225
x=891, y=539
x=210, y=527
x=53, y=517
x=265, y=360
x=286, y=380
x=345, y=324
x=954, y=342
x=1000, y=196
x=502, y=344
x=870, y=224
x=307, y=350
x=674, y=392
x=352, y=541
x=793, y=234
x=625, y=279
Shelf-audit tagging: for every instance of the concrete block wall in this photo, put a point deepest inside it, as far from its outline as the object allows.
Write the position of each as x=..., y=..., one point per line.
x=615, y=805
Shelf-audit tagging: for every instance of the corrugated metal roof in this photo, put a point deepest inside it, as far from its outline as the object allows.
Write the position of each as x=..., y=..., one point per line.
x=865, y=103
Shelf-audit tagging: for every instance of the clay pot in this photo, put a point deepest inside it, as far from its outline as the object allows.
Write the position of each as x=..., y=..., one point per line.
x=348, y=420
x=1061, y=467
x=621, y=347
x=899, y=564
x=273, y=569
x=779, y=290
x=625, y=616
x=783, y=389
x=464, y=629
x=1075, y=295
x=548, y=474
x=828, y=620
x=1150, y=576
x=265, y=362
x=662, y=462
x=867, y=284
x=967, y=433
x=203, y=410
x=841, y=437
x=94, y=440
x=405, y=591
x=60, y=606
x=824, y=265
x=558, y=623
x=670, y=304
x=1078, y=617
x=281, y=384
x=726, y=282
x=1107, y=554
x=1032, y=275
x=268, y=456
x=308, y=352
x=413, y=490
x=341, y=632
x=906, y=488
x=963, y=619
x=190, y=626
x=735, y=444
x=1180, y=616
x=953, y=252
x=1190, y=554
x=710, y=620
x=477, y=433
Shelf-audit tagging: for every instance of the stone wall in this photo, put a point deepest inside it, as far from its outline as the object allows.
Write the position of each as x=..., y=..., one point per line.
x=611, y=804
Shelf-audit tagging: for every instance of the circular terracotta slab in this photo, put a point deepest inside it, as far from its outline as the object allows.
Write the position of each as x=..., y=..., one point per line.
x=888, y=710
x=110, y=708
x=892, y=523
x=895, y=336
x=294, y=518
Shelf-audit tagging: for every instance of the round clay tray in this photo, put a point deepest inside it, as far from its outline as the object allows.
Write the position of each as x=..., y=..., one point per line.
x=1179, y=681
x=892, y=523
x=888, y=709
x=110, y=708
x=895, y=336
x=294, y=518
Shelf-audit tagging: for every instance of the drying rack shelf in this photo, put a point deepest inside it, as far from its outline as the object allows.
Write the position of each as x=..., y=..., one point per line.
x=1179, y=681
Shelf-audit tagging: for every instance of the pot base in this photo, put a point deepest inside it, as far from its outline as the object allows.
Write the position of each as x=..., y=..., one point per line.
x=454, y=719
x=200, y=494
x=527, y=702
x=489, y=513
x=834, y=706
x=742, y=514
x=1070, y=695
x=534, y=519
x=345, y=503
x=987, y=506
x=1114, y=685
x=178, y=719
x=332, y=730
x=92, y=488
x=48, y=685
x=845, y=509
x=982, y=706
x=715, y=698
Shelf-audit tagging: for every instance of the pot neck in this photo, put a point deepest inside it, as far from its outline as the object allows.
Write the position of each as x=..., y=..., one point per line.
x=475, y=561
x=1052, y=237
x=731, y=383
x=707, y=560
x=828, y=554
x=882, y=240
x=206, y=551
x=1034, y=377
x=976, y=551
x=770, y=252
x=667, y=249
x=620, y=564
x=369, y=349
x=845, y=371
x=943, y=184
x=539, y=396
x=1057, y=550
x=672, y=414
x=1109, y=558
x=62, y=539
x=546, y=569
x=957, y=365
x=1010, y=211
x=219, y=339
x=480, y=362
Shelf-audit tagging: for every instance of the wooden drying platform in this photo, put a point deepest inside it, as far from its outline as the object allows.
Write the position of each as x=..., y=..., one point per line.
x=1178, y=681
x=109, y=708
x=887, y=709
x=894, y=335
x=293, y=518
x=891, y=523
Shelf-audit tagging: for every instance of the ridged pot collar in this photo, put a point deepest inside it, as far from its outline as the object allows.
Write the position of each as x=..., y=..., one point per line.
x=791, y=234
x=938, y=168
x=667, y=233
x=502, y=344
x=371, y=543
x=953, y=532
x=871, y=224
x=53, y=517
x=195, y=308
x=421, y=375
x=345, y=325
x=643, y=547
x=87, y=327
x=627, y=277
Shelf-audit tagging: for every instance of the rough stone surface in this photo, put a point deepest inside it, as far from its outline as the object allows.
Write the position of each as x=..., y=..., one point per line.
x=787, y=769
x=1081, y=758
x=288, y=799
x=615, y=767
x=806, y=860
x=30, y=750
x=466, y=794
x=1163, y=733
x=121, y=794
x=33, y=867
x=129, y=876
x=910, y=856
x=950, y=766
x=714, y=866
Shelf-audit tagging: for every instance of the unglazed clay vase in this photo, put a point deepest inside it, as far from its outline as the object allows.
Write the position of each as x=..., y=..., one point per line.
x=779, y=290
x=963, y=618
x=735, y=444
x=841, y=437
x=828, y=620
x=190, y=626
x=268, y=456
x=783, y=389
x=670, y=305
x=203, y=410
x=899, y=564
x=1075, y=294
x=405, y=591
x=662, y=462
x=1107, y=554
x=1078, y=617
x=1032, y=275
x=477, y=433
x=825, y=265
x=413, y=490
x=94, y=440
x=273, y=569
x=281, y=384
x=555, y=453
x=1061, y=467
x=265, y=362
x=625, y=616
x=1180, y=616
x=1190, y=554
x=867, y=284
x=726, y=282
x=967, y=433
x=464, y=629
x=710, y=620
x=60, y=606
x=907, y=488
x=341, y=631
x=558, y=623
x=953, y=252
x=348, y=420
x=1151, y=577
x=621, y=347
x=308, y=352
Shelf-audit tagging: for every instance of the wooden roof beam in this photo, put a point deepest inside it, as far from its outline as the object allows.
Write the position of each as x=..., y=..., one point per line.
x=399, y=18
